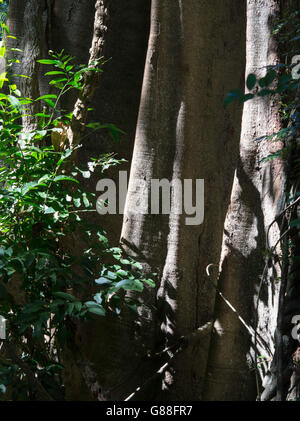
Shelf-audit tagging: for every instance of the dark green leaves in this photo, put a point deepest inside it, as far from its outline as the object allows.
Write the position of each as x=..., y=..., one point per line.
x=97, y=310
x=295, y=223
x=130, y=285
x=251, y=81
x=268, y=79
x=65, y=296
x=42, y=201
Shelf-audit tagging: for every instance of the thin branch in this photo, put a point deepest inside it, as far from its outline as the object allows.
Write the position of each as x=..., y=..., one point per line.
x=91, y=77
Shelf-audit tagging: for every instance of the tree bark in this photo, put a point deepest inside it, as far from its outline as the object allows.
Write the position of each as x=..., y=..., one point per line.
x=256, y=199
x=33, y=45
x=184, y=133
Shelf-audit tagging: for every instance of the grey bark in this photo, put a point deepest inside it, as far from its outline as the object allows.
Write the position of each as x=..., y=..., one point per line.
x=183, y=132
x=33, y=45
x=256, y=199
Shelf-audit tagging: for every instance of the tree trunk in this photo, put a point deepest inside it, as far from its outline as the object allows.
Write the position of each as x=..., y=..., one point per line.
x=255, y=201
x=184, y=133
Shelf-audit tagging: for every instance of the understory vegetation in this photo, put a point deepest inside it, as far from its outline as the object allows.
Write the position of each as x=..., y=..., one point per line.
x=45, y=285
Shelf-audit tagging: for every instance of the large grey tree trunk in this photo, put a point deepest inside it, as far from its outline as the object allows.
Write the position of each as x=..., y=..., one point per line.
x=195, y=55
x=255, y=201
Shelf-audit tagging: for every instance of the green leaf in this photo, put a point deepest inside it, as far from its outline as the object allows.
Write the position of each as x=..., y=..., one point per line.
x=70, y=308
x=130, y=285
x=54, y=72
x=77, y=201
x=5, y=28
x=65, y=296
x=48, y=210
x=251, y=81
x=91, y=304
x=2, y=51
x=295, y=223
x=55, y=81
x=122, y=272
x=137, y=265
x=16, y=75
x=78, y=305
x=42, y=115
x=15, y=102
x=97, y=310
x=86, y=174
x=47, y=61
x=85, y=200
x=264, y=92
x=149, y=282
x=111, y=275
x=48, y=96
x=102, y=281
x=270, y=77
x=65, y=156
x=16, y=49
x=65, y=177
x=50, y=103
x=44, y=178
x=246, y=97
x=98, y=298
x=3, y=79
x=29, y=186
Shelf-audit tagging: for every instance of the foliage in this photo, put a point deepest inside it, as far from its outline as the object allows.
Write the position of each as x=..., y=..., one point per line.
x=45, y=282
